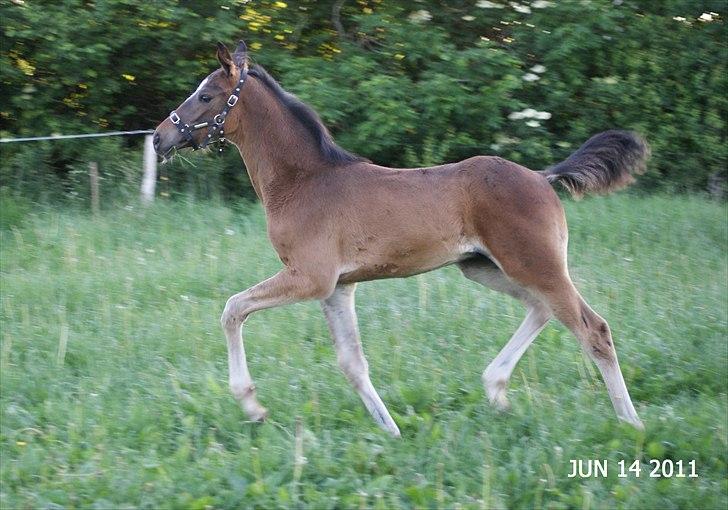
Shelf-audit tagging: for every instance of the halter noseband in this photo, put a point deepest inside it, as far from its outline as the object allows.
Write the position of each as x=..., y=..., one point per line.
x=215, y=124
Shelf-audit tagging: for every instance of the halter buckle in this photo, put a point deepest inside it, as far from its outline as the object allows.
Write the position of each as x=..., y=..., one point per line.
x=219, y=119
x=232, y=100
x=174, y=118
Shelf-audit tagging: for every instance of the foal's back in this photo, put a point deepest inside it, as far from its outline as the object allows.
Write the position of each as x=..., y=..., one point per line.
x=396, y=222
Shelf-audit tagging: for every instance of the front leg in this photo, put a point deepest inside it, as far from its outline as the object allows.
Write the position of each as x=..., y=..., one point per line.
x=341, y=316
x=288, y=286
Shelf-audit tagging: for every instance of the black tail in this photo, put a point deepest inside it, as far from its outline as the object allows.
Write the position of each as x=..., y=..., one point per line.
x=606, y=162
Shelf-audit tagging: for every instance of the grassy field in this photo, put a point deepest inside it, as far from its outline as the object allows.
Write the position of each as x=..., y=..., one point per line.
x=114, y=371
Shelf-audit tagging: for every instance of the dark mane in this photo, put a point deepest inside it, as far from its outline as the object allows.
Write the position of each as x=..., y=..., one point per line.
x=331, y=152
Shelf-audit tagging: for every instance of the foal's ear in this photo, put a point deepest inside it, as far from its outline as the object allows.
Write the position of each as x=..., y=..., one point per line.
x=240, y=57
x=223, y=56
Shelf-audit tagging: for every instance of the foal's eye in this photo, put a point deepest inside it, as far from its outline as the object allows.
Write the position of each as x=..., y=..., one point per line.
x=205, y=98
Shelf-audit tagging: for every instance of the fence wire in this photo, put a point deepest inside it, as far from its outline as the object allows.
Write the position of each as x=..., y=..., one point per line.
x=85, y=135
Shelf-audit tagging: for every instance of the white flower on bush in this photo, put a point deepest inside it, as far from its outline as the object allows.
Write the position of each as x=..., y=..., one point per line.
x=485, y=4
x=525, y=114
x=533, y=123
x=538, y=68
x=523, y=9
x=530, y=77
x=506, y=140
x=529, y=113
x=541, y=4
x=420, y=16
x=707, y=16
x=468, y=18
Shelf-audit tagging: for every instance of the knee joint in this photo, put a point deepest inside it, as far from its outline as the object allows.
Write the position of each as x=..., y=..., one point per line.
x=233, y=315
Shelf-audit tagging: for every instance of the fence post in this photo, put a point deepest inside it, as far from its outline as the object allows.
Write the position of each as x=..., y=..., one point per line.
x=93, y=175
x=149, y=180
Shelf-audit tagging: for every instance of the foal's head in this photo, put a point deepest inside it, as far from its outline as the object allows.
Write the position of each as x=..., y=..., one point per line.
x=200, y=119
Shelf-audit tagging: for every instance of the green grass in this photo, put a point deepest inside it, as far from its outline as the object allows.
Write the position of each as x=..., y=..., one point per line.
x=135, y=410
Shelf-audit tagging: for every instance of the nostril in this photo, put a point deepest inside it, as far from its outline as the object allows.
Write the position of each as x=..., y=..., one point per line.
x=156, y=139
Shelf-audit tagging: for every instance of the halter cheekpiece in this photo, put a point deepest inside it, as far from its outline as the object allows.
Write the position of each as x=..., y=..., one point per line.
x=217, y=122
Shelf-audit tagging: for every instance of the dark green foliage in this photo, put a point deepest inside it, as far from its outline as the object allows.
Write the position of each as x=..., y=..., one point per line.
x=401, y=83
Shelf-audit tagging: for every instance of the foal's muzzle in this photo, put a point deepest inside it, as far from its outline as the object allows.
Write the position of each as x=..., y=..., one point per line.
x=166, y=139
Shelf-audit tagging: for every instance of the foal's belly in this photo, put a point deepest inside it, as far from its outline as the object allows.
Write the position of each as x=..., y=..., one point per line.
x=388, y=270
x=399, y=263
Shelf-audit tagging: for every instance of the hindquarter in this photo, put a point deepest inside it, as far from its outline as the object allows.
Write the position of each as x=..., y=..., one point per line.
x=520, y=220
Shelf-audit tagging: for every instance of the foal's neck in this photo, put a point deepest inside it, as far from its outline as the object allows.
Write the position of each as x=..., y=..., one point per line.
x=277, y=150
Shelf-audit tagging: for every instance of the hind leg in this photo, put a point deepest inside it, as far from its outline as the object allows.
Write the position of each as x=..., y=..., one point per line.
x=553, y=295
x=498, y=372
x=593, y=333
x=527, y=238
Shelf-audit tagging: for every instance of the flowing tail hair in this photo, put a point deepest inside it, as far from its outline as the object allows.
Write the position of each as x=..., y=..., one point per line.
x=606, y=162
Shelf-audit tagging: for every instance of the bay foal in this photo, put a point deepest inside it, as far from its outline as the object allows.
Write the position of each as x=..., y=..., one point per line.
x=336, y=219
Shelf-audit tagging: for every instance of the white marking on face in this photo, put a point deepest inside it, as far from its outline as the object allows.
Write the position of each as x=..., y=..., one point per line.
x=199, y=87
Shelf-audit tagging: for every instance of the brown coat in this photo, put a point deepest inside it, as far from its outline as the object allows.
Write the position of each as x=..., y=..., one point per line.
x=336, y=219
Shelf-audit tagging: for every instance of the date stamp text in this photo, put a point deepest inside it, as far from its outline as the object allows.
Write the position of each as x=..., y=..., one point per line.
x=653, y=468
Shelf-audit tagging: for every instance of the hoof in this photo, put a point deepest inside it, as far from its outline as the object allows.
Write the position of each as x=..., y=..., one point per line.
x=254, y=410
x=634, y=421
x=496, y=392
x=394, y=431
x=259, y=416
x=387, y=424
x=501, y=404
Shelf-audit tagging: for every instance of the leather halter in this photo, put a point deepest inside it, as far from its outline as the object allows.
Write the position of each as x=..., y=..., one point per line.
x=214, y=125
